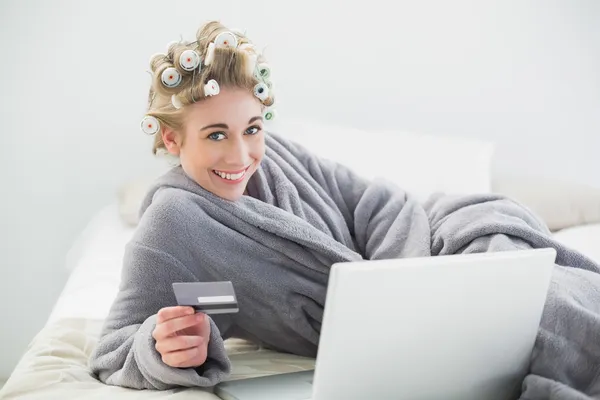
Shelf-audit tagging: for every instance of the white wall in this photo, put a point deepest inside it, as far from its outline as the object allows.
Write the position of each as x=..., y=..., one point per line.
x=73, y=90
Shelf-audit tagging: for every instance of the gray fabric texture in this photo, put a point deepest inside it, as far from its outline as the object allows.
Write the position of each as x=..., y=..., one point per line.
x=276, y=245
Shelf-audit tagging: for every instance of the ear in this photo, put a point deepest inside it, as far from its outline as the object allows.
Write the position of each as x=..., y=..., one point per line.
x=172, y=141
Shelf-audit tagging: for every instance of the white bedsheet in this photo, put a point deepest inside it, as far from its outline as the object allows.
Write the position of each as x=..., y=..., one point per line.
x=95, y=262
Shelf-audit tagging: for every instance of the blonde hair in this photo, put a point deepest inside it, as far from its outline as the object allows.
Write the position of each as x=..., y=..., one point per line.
x=230, y=67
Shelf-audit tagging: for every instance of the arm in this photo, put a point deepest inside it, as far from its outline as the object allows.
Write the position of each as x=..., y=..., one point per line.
x=126, y=354
x=489, y=223
x=385, y=221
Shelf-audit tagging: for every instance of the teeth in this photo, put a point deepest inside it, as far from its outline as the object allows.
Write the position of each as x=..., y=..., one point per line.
x=231, y=177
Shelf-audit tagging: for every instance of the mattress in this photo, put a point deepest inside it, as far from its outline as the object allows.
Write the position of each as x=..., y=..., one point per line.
x=55, y=367
x=55, y=363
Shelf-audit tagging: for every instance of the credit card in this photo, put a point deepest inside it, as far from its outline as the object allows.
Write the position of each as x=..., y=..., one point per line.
x=207, y=297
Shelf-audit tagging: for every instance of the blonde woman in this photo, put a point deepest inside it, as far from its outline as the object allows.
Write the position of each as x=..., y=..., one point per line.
x=248, y=206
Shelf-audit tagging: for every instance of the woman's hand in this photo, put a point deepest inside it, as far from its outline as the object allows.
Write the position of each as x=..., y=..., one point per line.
x=182, y=336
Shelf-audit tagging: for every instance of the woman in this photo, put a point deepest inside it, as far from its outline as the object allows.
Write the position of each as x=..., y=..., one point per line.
x=252, y=208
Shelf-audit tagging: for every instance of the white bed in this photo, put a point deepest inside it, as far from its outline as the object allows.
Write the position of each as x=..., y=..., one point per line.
x=55, y=364
x=94, y=264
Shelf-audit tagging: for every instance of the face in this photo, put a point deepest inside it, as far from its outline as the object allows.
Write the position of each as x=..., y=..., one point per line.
x=223, y=142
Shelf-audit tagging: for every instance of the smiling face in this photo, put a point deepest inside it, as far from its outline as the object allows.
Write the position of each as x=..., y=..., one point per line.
x=222, y=143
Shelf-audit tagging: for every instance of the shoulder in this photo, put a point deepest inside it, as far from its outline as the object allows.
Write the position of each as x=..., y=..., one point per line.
x=169, y=218
x=287, y=148
x=172, y=199
x=169, y=203
x=169, y=235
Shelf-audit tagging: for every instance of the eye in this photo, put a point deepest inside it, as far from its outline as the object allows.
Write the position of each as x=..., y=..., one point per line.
x=253, y=130
x=216, y=136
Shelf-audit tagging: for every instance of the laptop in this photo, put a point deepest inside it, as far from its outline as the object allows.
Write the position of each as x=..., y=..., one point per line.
x=445, y=327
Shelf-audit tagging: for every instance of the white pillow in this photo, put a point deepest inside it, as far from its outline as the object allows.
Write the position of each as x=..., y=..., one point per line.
x=419, y=163
x=582, y=238
x=130, y=196
x=561, y=204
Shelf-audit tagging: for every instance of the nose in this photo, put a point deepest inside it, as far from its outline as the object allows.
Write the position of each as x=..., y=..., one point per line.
x=238, y=153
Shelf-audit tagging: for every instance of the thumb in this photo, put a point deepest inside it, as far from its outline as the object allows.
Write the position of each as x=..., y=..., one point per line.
x=202, y=328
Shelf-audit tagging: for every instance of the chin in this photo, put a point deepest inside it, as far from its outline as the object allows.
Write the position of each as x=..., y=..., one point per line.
x=232, y=196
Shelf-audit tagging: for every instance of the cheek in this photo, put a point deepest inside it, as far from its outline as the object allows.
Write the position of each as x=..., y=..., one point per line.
x=258, y=149
x=198, y=153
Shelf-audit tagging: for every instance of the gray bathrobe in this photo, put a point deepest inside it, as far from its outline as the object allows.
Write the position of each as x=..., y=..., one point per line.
x=277, y=244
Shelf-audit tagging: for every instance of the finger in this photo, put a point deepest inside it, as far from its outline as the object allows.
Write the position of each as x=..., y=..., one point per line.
x=193, y=357
x=168, y=328
x=167, y=313
x=177, y=343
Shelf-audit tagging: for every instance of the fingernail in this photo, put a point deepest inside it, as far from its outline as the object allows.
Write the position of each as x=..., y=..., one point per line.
x=189, y=311
x=199, y=317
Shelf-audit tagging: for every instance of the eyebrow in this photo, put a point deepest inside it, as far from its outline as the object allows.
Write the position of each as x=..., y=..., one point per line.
x=224, y=126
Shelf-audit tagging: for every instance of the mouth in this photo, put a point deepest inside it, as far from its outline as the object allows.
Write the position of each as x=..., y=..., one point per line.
x=231, y=177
